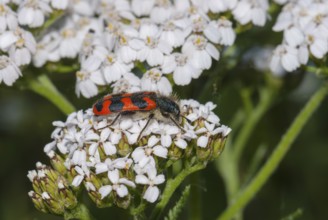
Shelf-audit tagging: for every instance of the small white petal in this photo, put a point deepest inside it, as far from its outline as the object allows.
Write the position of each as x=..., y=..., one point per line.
x=159, y=179
x=152, y=141
x=166, y=140
x=202, y=141
x=105, y=191
x=151, y=194
x=160, y=151
x=122, y=191
x=109, y=148
x=113, y=176
x=181, y=143
x=77, y=180
x=142, y=179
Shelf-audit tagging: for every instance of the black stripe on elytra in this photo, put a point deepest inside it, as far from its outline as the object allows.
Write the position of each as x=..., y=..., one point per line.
x=99, y=105
x=116, y=104
x=137, y=100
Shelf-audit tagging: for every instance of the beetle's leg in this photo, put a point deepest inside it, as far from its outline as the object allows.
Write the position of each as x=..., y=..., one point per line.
x=149, y=118
x=115, y=119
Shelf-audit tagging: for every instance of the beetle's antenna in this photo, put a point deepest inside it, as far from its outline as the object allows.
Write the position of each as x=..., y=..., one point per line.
x=177, y=124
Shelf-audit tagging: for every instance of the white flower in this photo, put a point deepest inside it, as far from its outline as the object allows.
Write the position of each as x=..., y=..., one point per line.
x=162, y=11
x=9, y=72
x=172, y=34
x=115, y=10
x=152, y=179
x=84, y=7
x=82, y=172
x=285, y=18
x=200, y=51
x=47, y=49
x=284, y=57
x=215, y=5
x=129, y=83
x=220, y=32
x=7, y=39
x=318, y=42
x=251, y=11
x=166, y=131
x=33, y=12
x=92, y=52
x=107, y=165
x=59, y=4
x=182, y=68
x=203, y=112
x=118, y=185
x=114, y=68
x=154, y=48
x=87, y=80
x=70, y=44
x=209, y=130
x=153, y=80
x=144, y=155
x=142, y=7
x=21, y=52
x=8, y=18
x=103, y=141
x=127, y=48
x=293, y=36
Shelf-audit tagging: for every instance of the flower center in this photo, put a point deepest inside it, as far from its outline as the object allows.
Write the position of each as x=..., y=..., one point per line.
x=151, y=42
x=181, y=59
x=2, y=9
x=68, y=33
x=154, y=74
x=199, y=42
x=123, y=40
x=148, y=151
x=81, y=75
x=20, y=42
x=4, y=61
x=198, y=25
x=111, y=58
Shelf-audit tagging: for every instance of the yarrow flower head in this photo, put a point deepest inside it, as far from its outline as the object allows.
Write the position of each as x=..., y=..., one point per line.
x=305, y=32
x=111, y=39
x=117, y=159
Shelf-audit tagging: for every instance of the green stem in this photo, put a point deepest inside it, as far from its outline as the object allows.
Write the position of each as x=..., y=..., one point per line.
x=272, y=163
x=229, y=172
x=44, y=87
x=80, y=212
x=251, y=121
x=195, y=199
x=172, y=185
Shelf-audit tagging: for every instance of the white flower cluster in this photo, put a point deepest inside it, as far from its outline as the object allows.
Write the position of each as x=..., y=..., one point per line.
x=17, y=44
x=112, y=38
x=305, y=31
x=91, y=148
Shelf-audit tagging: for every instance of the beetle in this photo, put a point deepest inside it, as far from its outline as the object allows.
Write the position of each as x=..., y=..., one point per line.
x=154, y=104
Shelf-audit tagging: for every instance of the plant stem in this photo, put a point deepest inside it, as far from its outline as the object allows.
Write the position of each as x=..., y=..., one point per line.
x=282, y=148
x=229, y=172
x=195, y=199
x=80, y=212
x=251, y=121
x=172, y=185
x=44, y=87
